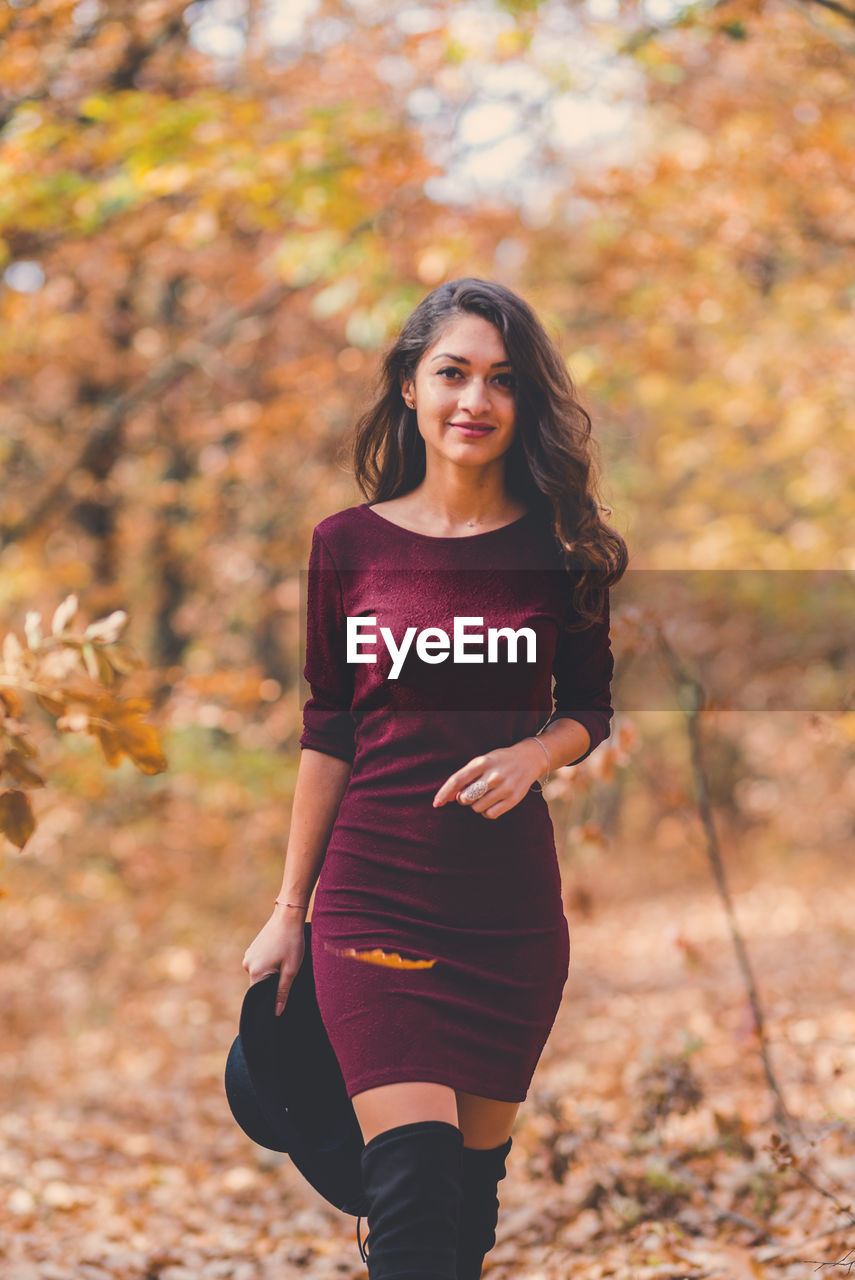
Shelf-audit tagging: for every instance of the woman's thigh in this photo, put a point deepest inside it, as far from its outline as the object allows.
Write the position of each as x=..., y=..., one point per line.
x=484, y=1122
x=393, y=1104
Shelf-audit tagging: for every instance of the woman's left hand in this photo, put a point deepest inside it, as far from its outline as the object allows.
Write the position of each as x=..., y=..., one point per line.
x=508, y=772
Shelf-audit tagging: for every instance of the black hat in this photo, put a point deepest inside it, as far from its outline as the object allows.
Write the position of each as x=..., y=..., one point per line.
x=286, y=1090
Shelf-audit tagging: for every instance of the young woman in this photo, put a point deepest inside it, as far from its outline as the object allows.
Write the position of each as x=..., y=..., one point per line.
x=418, y=806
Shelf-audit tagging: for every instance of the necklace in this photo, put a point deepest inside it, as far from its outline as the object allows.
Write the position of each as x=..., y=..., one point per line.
x=472, y=523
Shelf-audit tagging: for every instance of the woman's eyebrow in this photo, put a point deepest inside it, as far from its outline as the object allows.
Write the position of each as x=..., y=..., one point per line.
x=446, y=355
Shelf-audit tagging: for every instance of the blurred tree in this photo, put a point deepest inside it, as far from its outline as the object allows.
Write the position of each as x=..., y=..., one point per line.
x=209, y=222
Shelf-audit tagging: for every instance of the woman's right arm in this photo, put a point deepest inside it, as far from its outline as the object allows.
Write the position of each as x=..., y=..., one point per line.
x=328, y=747
x=321, y=783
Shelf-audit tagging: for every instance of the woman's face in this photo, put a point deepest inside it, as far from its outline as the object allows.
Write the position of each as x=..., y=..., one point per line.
x=464, y=393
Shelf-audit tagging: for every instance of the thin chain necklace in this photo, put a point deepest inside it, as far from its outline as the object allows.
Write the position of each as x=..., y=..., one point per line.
x=470, y=523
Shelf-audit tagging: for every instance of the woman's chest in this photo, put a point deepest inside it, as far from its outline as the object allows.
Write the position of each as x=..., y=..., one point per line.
x=468, y=630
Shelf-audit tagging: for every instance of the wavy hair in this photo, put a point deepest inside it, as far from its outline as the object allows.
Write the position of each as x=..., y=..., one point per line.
x=552, y=463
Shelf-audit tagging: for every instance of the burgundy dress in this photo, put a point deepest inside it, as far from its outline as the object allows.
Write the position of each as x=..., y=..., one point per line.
x=480, y=897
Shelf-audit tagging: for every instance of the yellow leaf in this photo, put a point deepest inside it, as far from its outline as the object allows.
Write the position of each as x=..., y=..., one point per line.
x=389, y=958
x=105, y=670
x=10, y=700
x=109, y=746
x=140, y=741
x=125, y=733
x=91, y=660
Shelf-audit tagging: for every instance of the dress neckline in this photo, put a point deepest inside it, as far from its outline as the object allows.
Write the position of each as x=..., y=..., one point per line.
x=451, y=537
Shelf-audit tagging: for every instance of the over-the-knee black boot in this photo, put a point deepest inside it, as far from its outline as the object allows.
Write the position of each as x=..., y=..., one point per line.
x=479, y=1213
x=411, y=1176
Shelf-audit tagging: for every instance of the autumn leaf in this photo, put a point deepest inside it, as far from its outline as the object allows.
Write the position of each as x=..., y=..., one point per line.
x=17, y=821
x=12, y=703
x=122, y=658
x=129, y=735
x=63, y=615
x=107, y=629
x=14, y=762
x=389, y=958
x=13, y=654
x=98, y=664
x=33, y=628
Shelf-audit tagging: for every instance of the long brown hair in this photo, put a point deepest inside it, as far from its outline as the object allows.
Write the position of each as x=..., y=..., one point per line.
x=552, y=463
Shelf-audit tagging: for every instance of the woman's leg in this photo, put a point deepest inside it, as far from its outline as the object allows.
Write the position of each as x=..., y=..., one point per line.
x=393, y=1104
x=484, y=1121
x=486, y=1126
x=412, y=1179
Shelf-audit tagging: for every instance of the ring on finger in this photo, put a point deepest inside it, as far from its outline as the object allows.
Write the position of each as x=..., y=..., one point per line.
x=475, y=790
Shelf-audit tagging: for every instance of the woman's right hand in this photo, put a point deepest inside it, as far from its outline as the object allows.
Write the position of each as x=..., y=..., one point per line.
x=280, y=946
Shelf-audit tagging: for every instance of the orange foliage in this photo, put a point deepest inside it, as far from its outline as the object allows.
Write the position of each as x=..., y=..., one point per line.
x=389, y=958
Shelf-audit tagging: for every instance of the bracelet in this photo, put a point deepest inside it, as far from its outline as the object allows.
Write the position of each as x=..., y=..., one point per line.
x=537, y=783
x=298, y=905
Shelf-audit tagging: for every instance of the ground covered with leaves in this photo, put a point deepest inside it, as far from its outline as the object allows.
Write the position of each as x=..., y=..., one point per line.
x=648, y=1145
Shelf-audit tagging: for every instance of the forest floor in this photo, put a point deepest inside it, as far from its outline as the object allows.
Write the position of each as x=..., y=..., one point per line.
x=647, y=1146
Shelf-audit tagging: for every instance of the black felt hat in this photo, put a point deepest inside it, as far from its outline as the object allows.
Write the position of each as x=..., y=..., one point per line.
x=286, y=1090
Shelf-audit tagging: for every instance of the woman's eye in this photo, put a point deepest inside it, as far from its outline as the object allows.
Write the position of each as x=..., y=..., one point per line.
x=505, y=380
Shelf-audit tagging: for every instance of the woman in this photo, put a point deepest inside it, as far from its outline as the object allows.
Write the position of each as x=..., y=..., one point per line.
x=439, y=942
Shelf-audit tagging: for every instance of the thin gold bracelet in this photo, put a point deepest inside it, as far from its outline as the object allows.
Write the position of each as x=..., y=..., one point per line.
x=537, y=782
x=299, y=905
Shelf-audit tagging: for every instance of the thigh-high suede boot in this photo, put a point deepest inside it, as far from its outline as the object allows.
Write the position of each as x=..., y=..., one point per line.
x=411, y=1176
x=479, y=1213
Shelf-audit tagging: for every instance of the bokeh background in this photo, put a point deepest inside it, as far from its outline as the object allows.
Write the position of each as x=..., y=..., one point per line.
x=212, y=218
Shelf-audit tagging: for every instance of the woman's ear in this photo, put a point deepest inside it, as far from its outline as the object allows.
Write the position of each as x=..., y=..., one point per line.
x=407, y=391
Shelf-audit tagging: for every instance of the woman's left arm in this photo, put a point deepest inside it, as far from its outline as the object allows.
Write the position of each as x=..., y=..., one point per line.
x=583, y=669
x=567, y=742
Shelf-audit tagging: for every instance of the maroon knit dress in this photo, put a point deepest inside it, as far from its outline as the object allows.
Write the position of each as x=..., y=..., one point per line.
x=479, y=896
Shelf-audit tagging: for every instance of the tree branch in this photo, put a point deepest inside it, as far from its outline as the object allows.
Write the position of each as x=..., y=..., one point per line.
x=692, y=701
x=848, y=14
x=191, y=356
x=822, y=27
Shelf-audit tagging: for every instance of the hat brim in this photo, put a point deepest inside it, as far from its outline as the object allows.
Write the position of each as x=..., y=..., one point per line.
x=286, y=1091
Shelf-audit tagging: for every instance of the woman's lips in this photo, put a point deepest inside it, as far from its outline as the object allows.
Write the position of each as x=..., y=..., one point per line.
x=473, y=430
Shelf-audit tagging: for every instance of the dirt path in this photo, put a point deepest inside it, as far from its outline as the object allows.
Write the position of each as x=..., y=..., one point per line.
x=641, y=1151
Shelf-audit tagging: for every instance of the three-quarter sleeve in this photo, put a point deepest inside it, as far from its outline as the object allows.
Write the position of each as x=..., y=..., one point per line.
x=583, y=669
x=328, y=724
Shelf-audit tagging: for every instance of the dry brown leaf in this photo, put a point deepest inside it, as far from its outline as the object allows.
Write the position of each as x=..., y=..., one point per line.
x=17, y=821
x=14, y=762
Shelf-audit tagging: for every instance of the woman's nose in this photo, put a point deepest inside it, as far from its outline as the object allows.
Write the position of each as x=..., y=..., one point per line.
x=474, y=396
